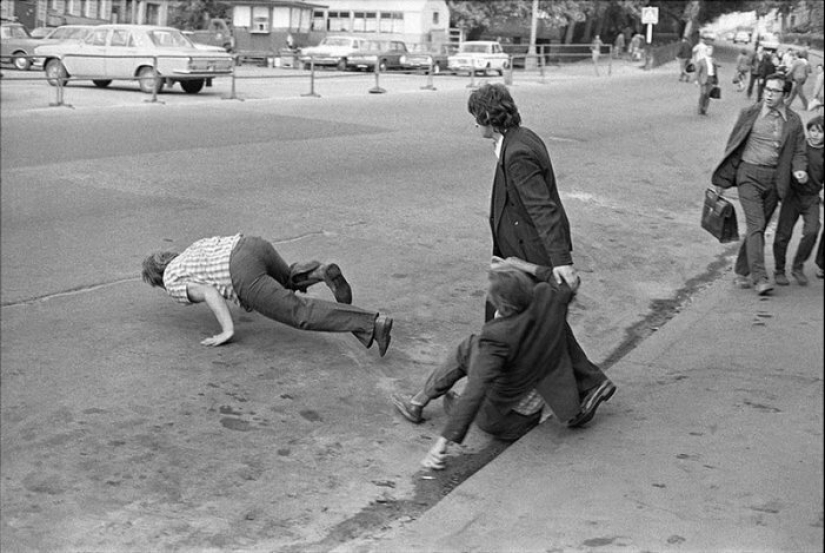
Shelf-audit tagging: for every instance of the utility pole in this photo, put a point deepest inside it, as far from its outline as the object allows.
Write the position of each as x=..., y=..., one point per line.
x=530, y=62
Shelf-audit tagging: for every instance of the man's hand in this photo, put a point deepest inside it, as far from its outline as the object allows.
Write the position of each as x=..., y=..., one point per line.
x=218, y=339
x=566, y=273
x=437, y=456
x=801, y=176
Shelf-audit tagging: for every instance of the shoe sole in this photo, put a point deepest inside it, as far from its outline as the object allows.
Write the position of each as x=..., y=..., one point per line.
x=401, y=405
x=338, y=284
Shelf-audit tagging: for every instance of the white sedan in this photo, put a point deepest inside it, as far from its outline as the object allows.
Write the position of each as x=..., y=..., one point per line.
x=479, y=56
x=134, y=52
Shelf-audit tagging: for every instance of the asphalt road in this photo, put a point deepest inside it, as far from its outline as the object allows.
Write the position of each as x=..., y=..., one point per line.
x=121, y=433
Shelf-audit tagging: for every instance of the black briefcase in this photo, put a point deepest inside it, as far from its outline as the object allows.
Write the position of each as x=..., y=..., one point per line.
x=719, y=217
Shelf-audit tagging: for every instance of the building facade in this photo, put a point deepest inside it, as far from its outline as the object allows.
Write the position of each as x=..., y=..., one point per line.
x=417, y=22
x=52, y=13
x=270, y=25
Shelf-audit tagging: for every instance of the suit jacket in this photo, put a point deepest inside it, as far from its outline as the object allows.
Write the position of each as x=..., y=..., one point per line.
x=791, y=153
x=766, y=67
x=527, y=218
x=518, y=354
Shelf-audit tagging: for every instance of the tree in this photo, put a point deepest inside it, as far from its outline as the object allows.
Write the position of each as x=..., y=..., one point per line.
x=195, y=14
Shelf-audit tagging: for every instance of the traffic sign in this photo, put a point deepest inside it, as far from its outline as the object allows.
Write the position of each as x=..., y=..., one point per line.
x=650, y=16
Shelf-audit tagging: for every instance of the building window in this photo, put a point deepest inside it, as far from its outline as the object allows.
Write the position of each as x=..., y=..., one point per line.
x=372, y=22
x=91, y=9
x=260, y=19
x=318, y=20
x=435, y=19
x=73, y=7
x=280, y=18
x=339, y=22
x=105, y=10
x=391, y=22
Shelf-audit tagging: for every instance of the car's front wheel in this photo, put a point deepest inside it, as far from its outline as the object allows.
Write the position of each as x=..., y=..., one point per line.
x=147, y=81
x=192, y=86
x=382, y=66
x=102, y=83
x=21, y=61
x=56, y=73
x=342, y=64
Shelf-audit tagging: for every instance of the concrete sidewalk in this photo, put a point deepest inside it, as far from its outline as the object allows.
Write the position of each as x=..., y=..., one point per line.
x=714, y=442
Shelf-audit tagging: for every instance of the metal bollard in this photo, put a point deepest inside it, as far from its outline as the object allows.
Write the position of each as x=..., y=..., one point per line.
x=377, y=88
x=472, y=78
x=232, y=95
x=155, y=76
x=429, y=85
x=312, y=79
x=59, y=93
x=541, y=66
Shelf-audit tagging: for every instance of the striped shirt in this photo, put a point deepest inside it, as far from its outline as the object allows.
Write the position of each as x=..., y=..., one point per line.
x=204, y=262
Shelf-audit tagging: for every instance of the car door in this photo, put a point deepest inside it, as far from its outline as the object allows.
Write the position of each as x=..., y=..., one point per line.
x=88, y=59
x=397, y=50
x=120, y=63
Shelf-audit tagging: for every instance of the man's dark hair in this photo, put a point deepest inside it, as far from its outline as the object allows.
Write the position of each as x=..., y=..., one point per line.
x=492, y=105
x=787, y=85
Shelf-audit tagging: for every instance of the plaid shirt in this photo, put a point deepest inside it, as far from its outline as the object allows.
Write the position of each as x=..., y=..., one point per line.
x=529, y=404
x=204, y=262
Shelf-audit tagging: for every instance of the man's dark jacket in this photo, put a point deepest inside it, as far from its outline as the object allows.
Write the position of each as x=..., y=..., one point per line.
x=526, y=211
x=518, y=354
x=791, y=153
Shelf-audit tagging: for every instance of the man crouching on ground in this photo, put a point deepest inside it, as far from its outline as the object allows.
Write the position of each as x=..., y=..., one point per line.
x=520, y=360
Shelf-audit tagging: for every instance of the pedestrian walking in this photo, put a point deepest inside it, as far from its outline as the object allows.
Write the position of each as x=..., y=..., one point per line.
x=706, y=78
x=595, y=52
x=767, y=67
x=798, y=73
x=527, y=218
x=249, y=272
x=619, y=45
x=635, y=48
x=756, y=60
x=519, y=361
x=743, y=67
x=683, y=56
x=817, y=96
x=802, y=200
x=766, y=148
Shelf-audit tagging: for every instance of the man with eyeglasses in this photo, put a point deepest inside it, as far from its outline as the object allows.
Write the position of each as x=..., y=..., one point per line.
x=766, y=148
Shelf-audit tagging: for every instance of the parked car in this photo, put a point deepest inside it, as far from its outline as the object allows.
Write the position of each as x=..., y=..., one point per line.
x=729, y=36
x=479, y=56
x=386, y=53
x=422, y=61
x=40, y=32
x=118, y=52
x=16, y=45
x=332, y=51
x=68, y=32
x=742, y=36
x=769, y=41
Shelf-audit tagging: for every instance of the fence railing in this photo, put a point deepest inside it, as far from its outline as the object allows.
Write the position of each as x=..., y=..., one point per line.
x=532, y=65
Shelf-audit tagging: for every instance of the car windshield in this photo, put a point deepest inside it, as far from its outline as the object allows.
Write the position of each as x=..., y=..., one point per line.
x=14, y=31
x=475, y=48
x=169, y=38
x=375, y=46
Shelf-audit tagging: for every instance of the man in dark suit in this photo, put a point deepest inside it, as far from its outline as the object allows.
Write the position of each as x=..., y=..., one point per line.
x=517, y=363
x=766, y=148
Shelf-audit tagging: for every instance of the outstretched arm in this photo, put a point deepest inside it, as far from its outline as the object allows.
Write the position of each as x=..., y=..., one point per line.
x=204, y=293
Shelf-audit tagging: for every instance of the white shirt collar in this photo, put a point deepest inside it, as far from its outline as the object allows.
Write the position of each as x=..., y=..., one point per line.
x=497, y=146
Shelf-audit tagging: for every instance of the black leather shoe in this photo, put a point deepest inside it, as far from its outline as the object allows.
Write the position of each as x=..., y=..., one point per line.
x=594, y=398
x=406, y=407
x=381, y=334
x=336, y=282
